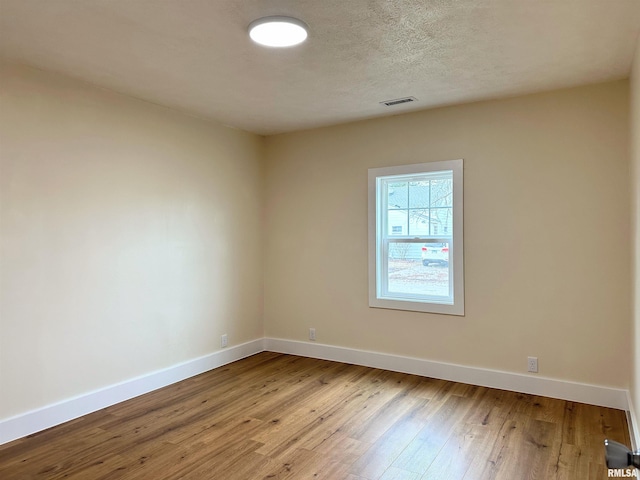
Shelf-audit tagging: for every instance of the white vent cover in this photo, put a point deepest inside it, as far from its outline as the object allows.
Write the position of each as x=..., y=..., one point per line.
x=398, y=101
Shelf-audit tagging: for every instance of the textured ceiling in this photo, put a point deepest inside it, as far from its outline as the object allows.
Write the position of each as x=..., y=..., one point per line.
x=195, y=55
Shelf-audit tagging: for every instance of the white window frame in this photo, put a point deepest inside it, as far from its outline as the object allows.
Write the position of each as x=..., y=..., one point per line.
x=378, y=298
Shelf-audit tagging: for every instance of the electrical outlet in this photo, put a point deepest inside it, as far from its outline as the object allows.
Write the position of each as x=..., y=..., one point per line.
x=532, y=362
x=312, y=334
x=224, y=341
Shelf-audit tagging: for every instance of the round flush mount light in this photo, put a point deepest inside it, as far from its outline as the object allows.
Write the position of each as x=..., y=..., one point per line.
x=278, y=31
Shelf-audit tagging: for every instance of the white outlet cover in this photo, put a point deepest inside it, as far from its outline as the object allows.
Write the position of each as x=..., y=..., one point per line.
x=532, y=364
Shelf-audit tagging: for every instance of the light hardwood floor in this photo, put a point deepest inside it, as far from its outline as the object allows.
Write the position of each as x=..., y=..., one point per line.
x=274, y=416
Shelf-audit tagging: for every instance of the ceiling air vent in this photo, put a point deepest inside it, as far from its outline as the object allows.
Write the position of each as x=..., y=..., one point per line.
x=398, y=101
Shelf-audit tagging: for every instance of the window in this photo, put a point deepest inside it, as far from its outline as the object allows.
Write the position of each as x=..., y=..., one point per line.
x=415, y=237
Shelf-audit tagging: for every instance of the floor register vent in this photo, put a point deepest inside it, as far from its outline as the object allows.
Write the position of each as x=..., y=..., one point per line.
x=398, y=101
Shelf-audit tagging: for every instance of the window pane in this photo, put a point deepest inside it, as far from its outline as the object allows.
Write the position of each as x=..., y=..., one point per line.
x=419, y=194
x=397, y=196
x=405, y=251
x=442, y=192
x=398, y=222
x=419, y=221
x=441, y=221
x=418, y=272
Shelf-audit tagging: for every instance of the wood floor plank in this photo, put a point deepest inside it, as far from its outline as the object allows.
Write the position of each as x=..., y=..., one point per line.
x=453, y=461
x=275, y=416
x=388, y=447
x=420, y=453
x=342, y=449
x=323, y=420
x=497, y=451
x=394, y=473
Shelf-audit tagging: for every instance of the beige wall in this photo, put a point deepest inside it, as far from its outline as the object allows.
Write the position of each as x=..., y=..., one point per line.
x=130, y=238
x=635, y=224
x=547, y=252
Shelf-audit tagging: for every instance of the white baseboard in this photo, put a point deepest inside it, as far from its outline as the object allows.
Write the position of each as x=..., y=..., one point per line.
x=534, y=385
x=55, y=414
x=634, y=428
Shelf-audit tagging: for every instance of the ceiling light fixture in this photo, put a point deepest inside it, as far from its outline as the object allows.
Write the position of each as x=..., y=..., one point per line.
x=278, y=31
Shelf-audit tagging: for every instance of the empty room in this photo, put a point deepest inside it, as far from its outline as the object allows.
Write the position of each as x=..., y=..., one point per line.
x=351, y=240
